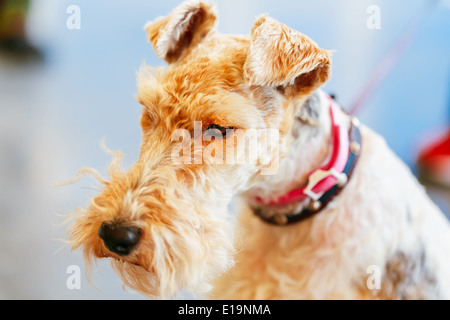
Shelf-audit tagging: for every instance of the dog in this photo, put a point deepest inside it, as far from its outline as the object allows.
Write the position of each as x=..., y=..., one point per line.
x=340, y=216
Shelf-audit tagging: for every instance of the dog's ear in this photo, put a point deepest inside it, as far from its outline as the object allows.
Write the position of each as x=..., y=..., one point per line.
x=183, y=29
x=281, y=57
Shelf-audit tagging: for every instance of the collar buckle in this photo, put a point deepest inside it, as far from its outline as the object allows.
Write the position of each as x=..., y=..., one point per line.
x=319, y=175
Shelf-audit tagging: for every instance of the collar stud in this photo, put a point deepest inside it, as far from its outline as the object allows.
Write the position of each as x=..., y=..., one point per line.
x=314, y=205
x=280, y=219
x=355, y=147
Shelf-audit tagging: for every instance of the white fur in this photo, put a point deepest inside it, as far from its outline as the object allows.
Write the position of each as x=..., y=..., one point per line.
x=382, y=211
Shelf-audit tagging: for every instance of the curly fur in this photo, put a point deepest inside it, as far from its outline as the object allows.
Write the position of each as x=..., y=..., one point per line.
x=269, y=79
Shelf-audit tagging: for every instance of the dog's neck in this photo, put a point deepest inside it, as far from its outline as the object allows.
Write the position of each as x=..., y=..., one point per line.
x=310, y=148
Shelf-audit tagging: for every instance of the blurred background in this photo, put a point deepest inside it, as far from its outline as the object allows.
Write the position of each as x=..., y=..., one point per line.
x=65, y=84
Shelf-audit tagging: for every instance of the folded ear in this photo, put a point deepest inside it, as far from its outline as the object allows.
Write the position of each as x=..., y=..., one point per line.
x=279, y=56
x=183, y=29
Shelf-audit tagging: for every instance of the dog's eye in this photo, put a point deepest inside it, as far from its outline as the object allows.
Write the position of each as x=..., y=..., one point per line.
x=213, y=128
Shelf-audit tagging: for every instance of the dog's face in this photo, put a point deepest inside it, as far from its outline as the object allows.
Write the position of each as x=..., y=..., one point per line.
x=165, y=223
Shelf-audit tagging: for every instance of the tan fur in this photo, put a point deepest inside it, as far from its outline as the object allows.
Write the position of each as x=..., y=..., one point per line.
x=278, y=56
x=190, y=241
x=174, y=35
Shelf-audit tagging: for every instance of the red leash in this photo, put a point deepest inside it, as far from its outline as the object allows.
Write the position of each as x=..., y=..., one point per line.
x=392, y=57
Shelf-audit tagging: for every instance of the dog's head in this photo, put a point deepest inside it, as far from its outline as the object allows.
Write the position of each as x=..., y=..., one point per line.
x=164, y=224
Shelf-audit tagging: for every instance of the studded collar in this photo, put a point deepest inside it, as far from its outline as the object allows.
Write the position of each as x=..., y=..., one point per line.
x=325, y=183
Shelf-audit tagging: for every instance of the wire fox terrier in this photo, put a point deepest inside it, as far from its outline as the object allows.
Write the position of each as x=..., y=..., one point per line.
x=323, y=211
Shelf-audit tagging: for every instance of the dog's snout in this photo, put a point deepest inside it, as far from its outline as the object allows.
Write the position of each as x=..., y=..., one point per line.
x=118, y=238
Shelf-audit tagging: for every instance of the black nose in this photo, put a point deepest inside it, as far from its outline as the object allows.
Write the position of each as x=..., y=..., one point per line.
x=119, y=239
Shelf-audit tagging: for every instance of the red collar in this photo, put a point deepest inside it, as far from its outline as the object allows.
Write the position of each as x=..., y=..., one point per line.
x=326, y=182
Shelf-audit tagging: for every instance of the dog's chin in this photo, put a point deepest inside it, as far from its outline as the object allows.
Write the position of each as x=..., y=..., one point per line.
x=165, y=278
x=139, y=278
